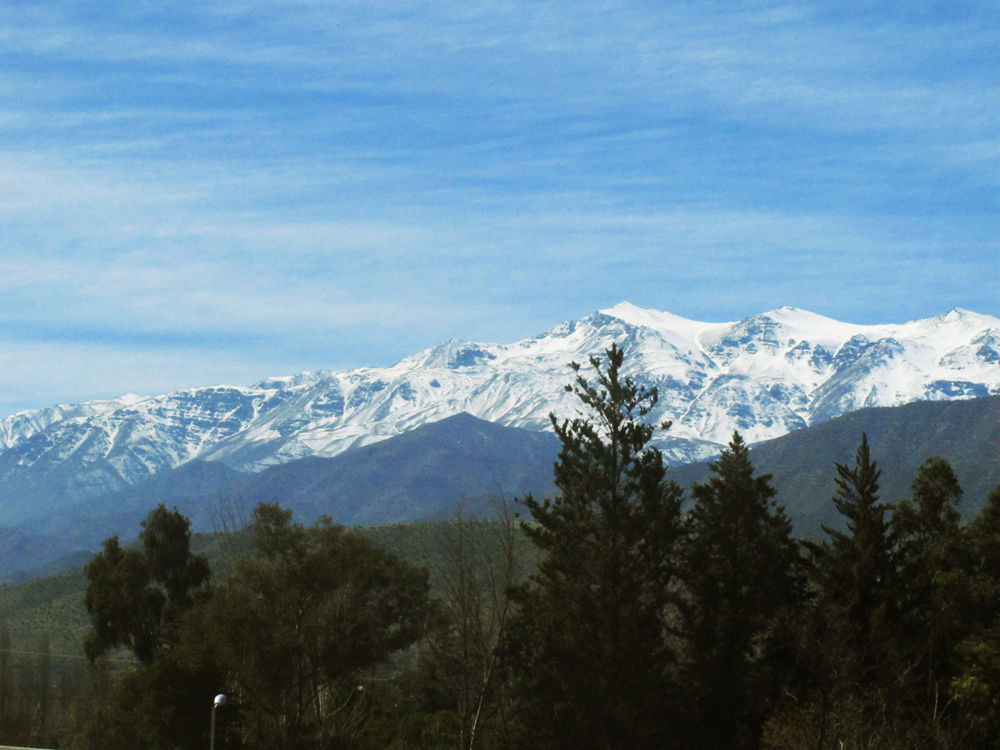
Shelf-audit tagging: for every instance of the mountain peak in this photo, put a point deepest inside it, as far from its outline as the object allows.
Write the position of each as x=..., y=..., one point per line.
x=291, y=381
x=958, y=313
x=659, y=321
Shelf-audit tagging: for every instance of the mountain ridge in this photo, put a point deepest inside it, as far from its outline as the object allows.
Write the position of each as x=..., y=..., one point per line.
x=422, y=474
x=965, y=433
x=766, y=375
x=427, y=473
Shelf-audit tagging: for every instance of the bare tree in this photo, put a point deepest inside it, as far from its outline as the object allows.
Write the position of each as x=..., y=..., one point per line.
x=230, y=521
x=479, y=564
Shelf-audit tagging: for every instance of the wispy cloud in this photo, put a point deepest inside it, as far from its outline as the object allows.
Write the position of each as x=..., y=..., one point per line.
x=310, y=184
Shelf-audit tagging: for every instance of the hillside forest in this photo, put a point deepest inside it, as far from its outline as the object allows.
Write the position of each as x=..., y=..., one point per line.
x=622, y=613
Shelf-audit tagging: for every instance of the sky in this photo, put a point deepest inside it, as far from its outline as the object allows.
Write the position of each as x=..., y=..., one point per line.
x=222, y=191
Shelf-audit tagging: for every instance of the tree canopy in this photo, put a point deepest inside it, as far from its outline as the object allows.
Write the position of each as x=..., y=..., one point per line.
x=300, y=622
x=136, y=595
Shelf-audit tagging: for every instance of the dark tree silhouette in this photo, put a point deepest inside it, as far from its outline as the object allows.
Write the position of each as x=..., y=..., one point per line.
x=588, y=642
x=745, y=583
x=135, y=596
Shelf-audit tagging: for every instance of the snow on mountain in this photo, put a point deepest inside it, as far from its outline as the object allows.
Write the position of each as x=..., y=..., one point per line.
x=764, y=376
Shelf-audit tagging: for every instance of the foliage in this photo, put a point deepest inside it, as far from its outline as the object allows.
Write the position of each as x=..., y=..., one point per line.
x=966, y=433
x=859, y=566
x=297, y=626
x=460, y=679
x=976, y=682
x=904, y=650
x=587, y=644
x=135, y=596
x=984, y=561
x=933, y=584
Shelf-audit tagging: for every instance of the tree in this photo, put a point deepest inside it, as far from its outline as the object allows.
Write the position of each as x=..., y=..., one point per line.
x=299, y=623
x=287, y=635
x=587, y=644
x=860, y=565
x=459, y=694
x=976, y=685
x=8, y=693
x=934, y=587
x=479, y=565
x=745, y=583
x=984, y=549
x=854, y=653
x=136, y=596
x=43, y=686
x=932, y=512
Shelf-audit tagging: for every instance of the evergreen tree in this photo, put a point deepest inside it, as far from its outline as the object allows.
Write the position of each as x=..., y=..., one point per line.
x=860, y=565
x=745, y=581
x=850, y=696
x=976, y=686
x=934, y=587
x=588, y=642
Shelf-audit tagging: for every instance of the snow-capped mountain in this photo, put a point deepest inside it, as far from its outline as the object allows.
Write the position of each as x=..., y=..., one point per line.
x=764, y=376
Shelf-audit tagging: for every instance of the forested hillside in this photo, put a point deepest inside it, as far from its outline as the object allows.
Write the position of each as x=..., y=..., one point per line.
x=966, y=433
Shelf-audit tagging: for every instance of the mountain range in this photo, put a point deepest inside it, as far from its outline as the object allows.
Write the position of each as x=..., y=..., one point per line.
x=765, y=376
x=428, y=472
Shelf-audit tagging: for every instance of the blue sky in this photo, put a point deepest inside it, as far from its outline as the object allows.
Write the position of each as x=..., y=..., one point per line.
x=196, y=193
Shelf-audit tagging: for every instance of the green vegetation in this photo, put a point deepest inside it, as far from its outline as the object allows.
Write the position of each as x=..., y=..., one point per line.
x=610, y=620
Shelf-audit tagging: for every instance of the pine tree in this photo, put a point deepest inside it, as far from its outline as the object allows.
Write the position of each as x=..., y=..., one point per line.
x=588, y=641
x=934, y=586
x=860, y=564
x=855, y=645
x=745, y=581
x=976, y=686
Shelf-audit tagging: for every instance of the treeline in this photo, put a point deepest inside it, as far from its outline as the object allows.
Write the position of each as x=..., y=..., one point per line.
x=646, y=623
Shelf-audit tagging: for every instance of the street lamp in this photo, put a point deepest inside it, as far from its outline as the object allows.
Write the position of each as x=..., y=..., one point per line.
x=220, y=700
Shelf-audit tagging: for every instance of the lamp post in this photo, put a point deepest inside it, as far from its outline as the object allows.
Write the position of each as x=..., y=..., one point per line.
x=220, y=700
